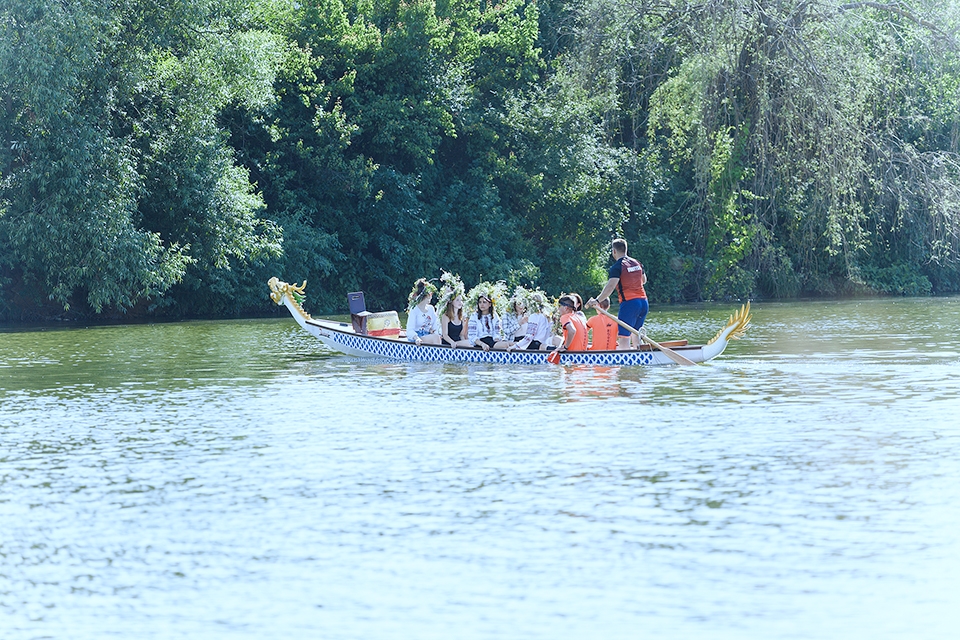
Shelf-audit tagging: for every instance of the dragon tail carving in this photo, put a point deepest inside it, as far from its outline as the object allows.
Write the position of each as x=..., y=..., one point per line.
x=736, y=326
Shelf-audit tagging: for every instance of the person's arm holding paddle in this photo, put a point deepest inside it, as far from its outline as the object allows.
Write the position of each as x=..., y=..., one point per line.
x=569, y=333
x=670, y=353
x=627, y=277
x=605, y=294
x=574, y=327
x=612, y=282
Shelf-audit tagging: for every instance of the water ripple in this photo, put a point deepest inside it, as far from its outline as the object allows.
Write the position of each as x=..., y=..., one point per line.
x=235, y=480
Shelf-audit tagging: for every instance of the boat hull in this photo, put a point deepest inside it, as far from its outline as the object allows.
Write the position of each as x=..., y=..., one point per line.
x=342, y=337
x=339, y=337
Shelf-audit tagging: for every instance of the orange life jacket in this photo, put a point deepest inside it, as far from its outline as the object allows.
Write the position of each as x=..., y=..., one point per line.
x=631, y=279
x=580, y=340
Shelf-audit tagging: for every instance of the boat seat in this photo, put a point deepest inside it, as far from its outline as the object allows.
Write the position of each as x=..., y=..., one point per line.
x=358, y=312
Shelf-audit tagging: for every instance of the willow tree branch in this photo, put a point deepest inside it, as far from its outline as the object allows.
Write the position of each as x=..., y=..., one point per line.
x=897, y=8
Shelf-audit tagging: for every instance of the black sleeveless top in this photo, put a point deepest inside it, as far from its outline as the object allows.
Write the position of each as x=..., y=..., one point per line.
x=454, y=331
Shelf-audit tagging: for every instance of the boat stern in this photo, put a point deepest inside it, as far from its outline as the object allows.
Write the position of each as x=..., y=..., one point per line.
x=736, y=326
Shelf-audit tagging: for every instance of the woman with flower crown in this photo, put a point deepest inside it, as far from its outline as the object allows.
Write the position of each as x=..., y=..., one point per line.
x=450, y=309
x=484, y=329
x=540, y=335
x=515, y=317
x=422, y=322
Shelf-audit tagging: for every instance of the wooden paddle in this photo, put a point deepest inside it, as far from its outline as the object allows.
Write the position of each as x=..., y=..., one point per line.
x=670, y=353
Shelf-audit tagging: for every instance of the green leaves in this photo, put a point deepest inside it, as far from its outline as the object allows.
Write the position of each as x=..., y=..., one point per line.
x=801, y=134
x=117, y=173
x=178, y=152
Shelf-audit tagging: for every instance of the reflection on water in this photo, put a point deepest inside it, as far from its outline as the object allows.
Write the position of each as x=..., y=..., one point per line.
x=236, y=480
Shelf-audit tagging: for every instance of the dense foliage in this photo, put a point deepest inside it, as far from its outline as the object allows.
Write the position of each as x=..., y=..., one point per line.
x=168, y=159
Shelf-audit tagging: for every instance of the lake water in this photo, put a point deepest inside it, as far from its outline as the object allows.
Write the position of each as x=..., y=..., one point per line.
x=237, y=480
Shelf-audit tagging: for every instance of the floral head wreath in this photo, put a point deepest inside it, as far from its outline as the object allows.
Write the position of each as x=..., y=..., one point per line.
x=536, y=301
x=520, y=295
x=496, y=292
x=416, y=295
x=451, y=288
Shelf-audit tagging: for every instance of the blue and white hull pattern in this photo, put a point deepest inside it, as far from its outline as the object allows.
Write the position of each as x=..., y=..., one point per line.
x=341, y=337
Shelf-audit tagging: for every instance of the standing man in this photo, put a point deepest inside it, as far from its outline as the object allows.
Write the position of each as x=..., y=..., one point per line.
x=627, y=277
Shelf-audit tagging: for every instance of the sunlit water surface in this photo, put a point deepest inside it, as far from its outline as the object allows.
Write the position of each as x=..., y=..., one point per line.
x=237, y=480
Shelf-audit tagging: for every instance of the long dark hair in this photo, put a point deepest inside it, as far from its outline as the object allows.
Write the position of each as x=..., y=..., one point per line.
x=480, y=313
x=487, y=324
x=421, y=288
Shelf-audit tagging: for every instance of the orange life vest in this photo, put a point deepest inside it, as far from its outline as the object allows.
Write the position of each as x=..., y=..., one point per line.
x=580, y=339
x=631, y=279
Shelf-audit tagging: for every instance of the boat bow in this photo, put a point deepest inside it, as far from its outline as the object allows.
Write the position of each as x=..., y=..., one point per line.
x=291, y=296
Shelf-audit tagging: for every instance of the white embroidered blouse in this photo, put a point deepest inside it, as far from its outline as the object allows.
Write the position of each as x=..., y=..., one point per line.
x=539, y=328
x=420, y=323
x=487, y=326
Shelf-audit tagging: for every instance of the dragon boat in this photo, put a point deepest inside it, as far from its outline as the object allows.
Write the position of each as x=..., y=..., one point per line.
x=343, y=337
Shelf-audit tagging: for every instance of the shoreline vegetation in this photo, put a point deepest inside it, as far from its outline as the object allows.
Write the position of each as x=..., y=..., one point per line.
x=162, y=162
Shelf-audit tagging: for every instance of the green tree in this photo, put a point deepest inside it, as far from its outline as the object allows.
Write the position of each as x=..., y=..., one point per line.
x=788, y=135
x=119, y=180
x=382, y=144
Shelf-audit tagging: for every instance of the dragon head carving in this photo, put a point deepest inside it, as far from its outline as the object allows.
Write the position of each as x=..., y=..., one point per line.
x=280, y=289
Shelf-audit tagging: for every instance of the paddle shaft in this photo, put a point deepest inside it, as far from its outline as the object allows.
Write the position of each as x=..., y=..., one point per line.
x=670, y=353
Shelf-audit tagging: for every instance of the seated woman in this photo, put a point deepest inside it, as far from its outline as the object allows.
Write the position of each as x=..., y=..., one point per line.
x=422, y=322
x=450, y=308
x=578, y=306
x=540, y=334
x=573, y=323
x=515, y=318
x=484, y=329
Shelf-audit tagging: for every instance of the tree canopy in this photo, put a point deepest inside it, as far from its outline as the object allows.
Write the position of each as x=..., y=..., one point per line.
x=167, y=159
